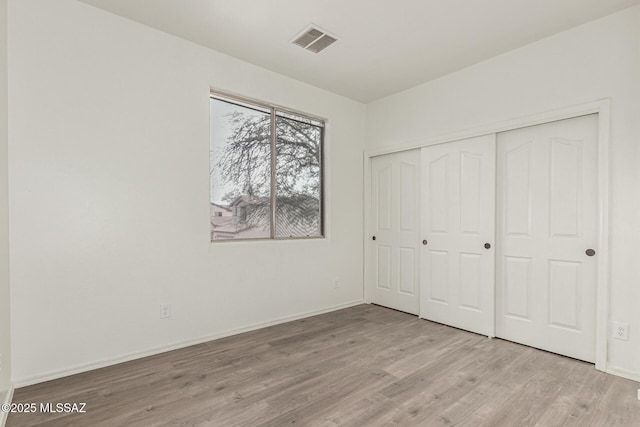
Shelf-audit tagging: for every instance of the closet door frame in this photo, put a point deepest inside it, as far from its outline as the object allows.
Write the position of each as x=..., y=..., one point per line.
x=602, y=109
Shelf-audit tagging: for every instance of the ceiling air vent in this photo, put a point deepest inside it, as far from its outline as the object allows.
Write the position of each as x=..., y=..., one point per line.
x=314, y=39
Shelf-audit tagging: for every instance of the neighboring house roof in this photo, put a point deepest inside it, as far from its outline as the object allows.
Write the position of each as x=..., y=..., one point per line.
x=226, y=208
x=221, y=221
x=226, y=224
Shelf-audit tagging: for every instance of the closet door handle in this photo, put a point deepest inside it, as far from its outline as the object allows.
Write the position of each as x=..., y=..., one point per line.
x=424, y=242
x=487, y=245
x=590, y=252
x=373, y=238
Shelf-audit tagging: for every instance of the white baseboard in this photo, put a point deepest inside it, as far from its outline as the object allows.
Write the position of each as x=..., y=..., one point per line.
x=53, y=375
x=7, y=400
x=624, y=373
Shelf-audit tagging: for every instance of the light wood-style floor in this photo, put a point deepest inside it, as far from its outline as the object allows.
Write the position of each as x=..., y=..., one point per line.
x=361, y=366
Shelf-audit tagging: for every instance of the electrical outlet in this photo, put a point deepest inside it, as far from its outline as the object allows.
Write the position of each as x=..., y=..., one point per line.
x=165, y=311
x=639, y=394
x=336, y=283
x=621, y=331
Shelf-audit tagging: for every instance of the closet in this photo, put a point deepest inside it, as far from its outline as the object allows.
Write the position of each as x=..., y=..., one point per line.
x=494, y=234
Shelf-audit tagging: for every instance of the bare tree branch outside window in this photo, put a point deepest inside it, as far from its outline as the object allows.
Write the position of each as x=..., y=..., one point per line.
x=241, y=153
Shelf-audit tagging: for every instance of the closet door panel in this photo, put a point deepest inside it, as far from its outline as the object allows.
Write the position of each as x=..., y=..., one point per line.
x=547, y=216
x=458, y=217
x=393, y=265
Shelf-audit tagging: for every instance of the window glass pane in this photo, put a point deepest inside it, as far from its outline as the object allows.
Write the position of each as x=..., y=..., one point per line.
x=298, y=178
x=240, y=171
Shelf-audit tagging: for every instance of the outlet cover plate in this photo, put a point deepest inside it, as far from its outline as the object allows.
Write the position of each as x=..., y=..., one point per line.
x=165, y=311
x=621, y=331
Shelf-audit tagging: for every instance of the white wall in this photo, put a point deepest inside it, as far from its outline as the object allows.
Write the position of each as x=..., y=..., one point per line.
x=109, y=194
x=5, y=343
x=597, y=60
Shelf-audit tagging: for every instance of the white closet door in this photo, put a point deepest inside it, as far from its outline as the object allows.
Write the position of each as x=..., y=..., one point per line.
x=394, y=238
x=458, y=228
x=547, y=216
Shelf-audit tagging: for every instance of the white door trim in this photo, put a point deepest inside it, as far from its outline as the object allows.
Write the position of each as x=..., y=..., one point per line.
x=366, y=291
x=602, y=108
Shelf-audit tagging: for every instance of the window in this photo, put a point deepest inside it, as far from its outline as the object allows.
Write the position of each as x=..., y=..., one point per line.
x=265, y=170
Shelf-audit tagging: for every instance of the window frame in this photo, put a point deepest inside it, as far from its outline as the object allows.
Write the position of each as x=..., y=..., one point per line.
x=273, y=111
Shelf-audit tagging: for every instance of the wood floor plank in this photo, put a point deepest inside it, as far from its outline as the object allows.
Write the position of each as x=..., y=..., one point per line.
x=361, y=366
x=618, y=407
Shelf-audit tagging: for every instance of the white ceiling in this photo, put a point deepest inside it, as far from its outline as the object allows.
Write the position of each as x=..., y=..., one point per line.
x=384, y=46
